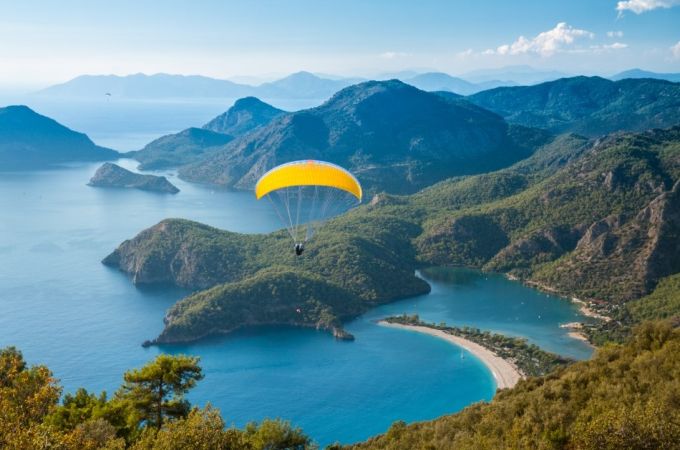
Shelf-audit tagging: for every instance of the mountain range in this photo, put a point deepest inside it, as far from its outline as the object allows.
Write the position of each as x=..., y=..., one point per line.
x=392, y=135
x=518, y=74
x=590, y=106
x=161, y=85
x=596, y=219
x=297, y=85
x=305, y=85
x=30, y=140
x=391, y=131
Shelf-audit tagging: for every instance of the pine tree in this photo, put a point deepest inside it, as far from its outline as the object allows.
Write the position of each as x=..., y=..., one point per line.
x=157, y=390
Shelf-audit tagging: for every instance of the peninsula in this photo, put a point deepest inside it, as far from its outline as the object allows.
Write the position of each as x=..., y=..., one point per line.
x=505, y=373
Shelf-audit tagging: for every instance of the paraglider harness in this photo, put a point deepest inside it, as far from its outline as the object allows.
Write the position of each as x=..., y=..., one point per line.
x=299, y=248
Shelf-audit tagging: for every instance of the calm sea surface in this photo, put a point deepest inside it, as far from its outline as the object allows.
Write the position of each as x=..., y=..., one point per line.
x=63, y=308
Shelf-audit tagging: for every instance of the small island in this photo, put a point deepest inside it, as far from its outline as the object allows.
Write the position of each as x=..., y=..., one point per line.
x=110, y=175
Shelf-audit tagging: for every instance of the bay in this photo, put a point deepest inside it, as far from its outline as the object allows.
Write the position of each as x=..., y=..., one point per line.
x=63, y=308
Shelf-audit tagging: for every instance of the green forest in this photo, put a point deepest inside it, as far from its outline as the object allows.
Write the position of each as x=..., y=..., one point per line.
x=626, y=396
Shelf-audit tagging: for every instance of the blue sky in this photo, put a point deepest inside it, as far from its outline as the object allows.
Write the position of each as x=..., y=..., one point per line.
x=42, y=42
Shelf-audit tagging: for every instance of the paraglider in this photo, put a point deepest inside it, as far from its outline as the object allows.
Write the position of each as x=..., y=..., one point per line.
x=306, y=193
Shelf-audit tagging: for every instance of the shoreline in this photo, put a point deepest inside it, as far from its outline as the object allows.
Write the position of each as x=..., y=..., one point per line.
x=504, y=372
x=583, y=305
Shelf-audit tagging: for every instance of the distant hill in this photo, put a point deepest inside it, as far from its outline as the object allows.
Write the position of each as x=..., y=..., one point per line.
x=192, y=144
x=438, y=81
x=110, y=175
x=639, y=73
x=247, y=114
x=161, y=85
x=590, y=106
x=392, y=135
x=520, y=75
x=302, y=85
x=30, y=140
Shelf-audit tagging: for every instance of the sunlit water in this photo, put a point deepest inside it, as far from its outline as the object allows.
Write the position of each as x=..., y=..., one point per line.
x=63, y=308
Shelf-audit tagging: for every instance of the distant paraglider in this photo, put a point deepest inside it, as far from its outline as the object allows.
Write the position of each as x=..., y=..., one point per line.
x=305, y=194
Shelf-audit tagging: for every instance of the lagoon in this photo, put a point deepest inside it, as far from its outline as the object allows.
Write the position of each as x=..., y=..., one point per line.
x=63, y=308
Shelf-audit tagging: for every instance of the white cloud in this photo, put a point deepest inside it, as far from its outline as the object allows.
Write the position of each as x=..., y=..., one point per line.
x=640, y=6
x=546, y=43
x=464, y=54
x=675, y=50
x=608, y=47
x=393, y=55
x=613, y=34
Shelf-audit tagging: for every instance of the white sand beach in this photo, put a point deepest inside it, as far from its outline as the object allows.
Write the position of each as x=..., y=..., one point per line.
x=505, y=373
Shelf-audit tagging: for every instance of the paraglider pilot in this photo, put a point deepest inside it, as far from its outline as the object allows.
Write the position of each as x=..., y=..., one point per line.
x=299, y=248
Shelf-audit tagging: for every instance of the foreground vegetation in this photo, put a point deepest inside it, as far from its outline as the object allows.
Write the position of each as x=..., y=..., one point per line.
x=528, y=358
x=662, y=303
x=148, y=412
x=627, y=396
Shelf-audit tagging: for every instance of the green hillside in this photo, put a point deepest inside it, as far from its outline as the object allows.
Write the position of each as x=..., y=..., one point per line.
x=180, y=148
x=591, y=106
x=573, y=218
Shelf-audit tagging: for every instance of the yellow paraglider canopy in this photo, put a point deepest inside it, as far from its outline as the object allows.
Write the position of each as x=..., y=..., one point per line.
x=307, y=173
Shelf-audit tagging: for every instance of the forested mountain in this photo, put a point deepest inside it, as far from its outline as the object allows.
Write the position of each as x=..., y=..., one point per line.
x=245, y=115
x=392, y=135
x=580, y=230
x=351, y=266
x=30, y=140
x=180, y=148
x=574, y=217
x=591, y=106
x=192, y=144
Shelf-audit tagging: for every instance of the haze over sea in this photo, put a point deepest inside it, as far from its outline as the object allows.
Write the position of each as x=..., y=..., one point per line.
x=63, y=308
x=130, y=124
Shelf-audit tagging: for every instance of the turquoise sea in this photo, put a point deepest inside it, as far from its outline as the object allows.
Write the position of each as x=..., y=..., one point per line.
x=63, y=308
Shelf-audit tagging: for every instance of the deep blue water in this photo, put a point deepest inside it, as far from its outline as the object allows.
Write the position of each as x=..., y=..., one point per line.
x=63, y=308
